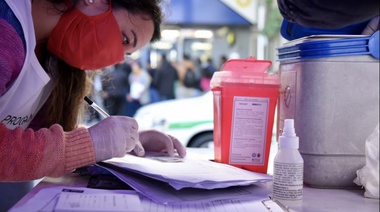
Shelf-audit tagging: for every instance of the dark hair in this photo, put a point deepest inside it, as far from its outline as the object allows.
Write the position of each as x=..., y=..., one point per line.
x=65, y=104
x=149, y=7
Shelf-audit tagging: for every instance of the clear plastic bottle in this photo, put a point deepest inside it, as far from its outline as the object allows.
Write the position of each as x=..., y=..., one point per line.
x=288, y=167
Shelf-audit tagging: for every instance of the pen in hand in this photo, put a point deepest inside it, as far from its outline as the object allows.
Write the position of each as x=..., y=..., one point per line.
x=139, y=149
x=96, y=107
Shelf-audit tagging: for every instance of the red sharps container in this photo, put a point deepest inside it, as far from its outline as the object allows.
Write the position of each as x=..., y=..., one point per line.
x=245, y=98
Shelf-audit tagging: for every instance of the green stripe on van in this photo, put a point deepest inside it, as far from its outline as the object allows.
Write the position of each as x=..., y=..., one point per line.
x=184, y=125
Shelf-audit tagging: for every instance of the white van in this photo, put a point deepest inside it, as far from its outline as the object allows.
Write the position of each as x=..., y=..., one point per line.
x=190, y=119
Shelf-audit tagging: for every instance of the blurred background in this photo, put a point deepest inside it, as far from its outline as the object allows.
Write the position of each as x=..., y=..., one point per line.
x=197, y=35
x=217, y=28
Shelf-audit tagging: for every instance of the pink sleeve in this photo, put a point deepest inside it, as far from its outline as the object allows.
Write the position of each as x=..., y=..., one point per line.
x=28, y=154
x=12, y=55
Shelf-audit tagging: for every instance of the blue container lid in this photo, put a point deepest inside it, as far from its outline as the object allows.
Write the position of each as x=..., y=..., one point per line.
x=291, y=31
x=326, y=44
x=329, y=46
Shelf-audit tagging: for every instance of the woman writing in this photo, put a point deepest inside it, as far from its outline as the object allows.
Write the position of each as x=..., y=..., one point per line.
x=46, y=46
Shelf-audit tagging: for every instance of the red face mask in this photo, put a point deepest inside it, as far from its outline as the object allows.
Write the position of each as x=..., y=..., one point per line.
x=87, y=42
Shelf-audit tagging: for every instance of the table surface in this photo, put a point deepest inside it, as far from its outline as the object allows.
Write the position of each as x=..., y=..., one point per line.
x=314, y=199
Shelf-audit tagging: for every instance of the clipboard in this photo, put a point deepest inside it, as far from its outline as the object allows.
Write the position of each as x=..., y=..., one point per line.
x=275, y=206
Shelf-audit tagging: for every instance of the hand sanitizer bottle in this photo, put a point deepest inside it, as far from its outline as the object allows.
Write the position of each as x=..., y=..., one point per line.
x=288, y=168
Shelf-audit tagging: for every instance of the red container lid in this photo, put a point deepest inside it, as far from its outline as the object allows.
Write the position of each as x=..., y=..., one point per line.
x=245, y=71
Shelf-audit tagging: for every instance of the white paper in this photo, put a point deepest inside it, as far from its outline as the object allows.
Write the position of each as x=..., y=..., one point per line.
x=82, y=202
x=163, y=193
x=45, y=200
x=189, y=173
x=214, y=206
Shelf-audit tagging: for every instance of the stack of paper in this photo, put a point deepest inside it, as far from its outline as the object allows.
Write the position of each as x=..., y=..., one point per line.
x=187, y=172
x=168, y=180
x=53, y=199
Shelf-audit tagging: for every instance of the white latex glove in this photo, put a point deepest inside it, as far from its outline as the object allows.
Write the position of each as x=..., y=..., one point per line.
x=155, y=141
x=114, y=137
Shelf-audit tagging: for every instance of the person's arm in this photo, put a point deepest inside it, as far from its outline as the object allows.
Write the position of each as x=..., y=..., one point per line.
x=27, y=154
x=12, y=55
x=372, y=26
x=328, y=14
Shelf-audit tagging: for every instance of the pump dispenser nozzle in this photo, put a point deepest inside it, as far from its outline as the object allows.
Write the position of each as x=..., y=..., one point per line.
x=288, y=139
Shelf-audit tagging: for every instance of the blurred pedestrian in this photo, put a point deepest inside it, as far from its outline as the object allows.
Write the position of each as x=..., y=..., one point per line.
x=198, y=72
x=115, y=87
x=165, y=78
x=128, y=70
x=208, y=71
x=153, y=92
x=138, y=95
x=223, y=59
x=184, y=90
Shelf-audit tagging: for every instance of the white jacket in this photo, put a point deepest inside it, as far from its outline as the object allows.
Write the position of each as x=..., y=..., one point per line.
x=30, y=90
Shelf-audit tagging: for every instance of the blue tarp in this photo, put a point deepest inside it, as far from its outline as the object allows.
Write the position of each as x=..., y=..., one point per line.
x=202, y=12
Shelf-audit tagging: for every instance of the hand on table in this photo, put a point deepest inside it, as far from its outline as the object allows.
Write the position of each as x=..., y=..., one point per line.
x=117, y=135
x=156, y=141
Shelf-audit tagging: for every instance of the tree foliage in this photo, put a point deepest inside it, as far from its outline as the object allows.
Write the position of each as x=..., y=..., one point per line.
x=274, y=20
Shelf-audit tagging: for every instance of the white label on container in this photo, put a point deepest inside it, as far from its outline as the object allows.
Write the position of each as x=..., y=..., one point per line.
x=288, y=181
x=249, y=129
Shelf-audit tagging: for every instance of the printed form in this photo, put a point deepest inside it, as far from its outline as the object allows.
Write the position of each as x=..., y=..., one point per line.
x=75, y=199
x=69, y=201
x=46, y=201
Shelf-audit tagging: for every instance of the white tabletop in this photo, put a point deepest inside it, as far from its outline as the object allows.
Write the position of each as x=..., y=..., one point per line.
x=314, y=199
